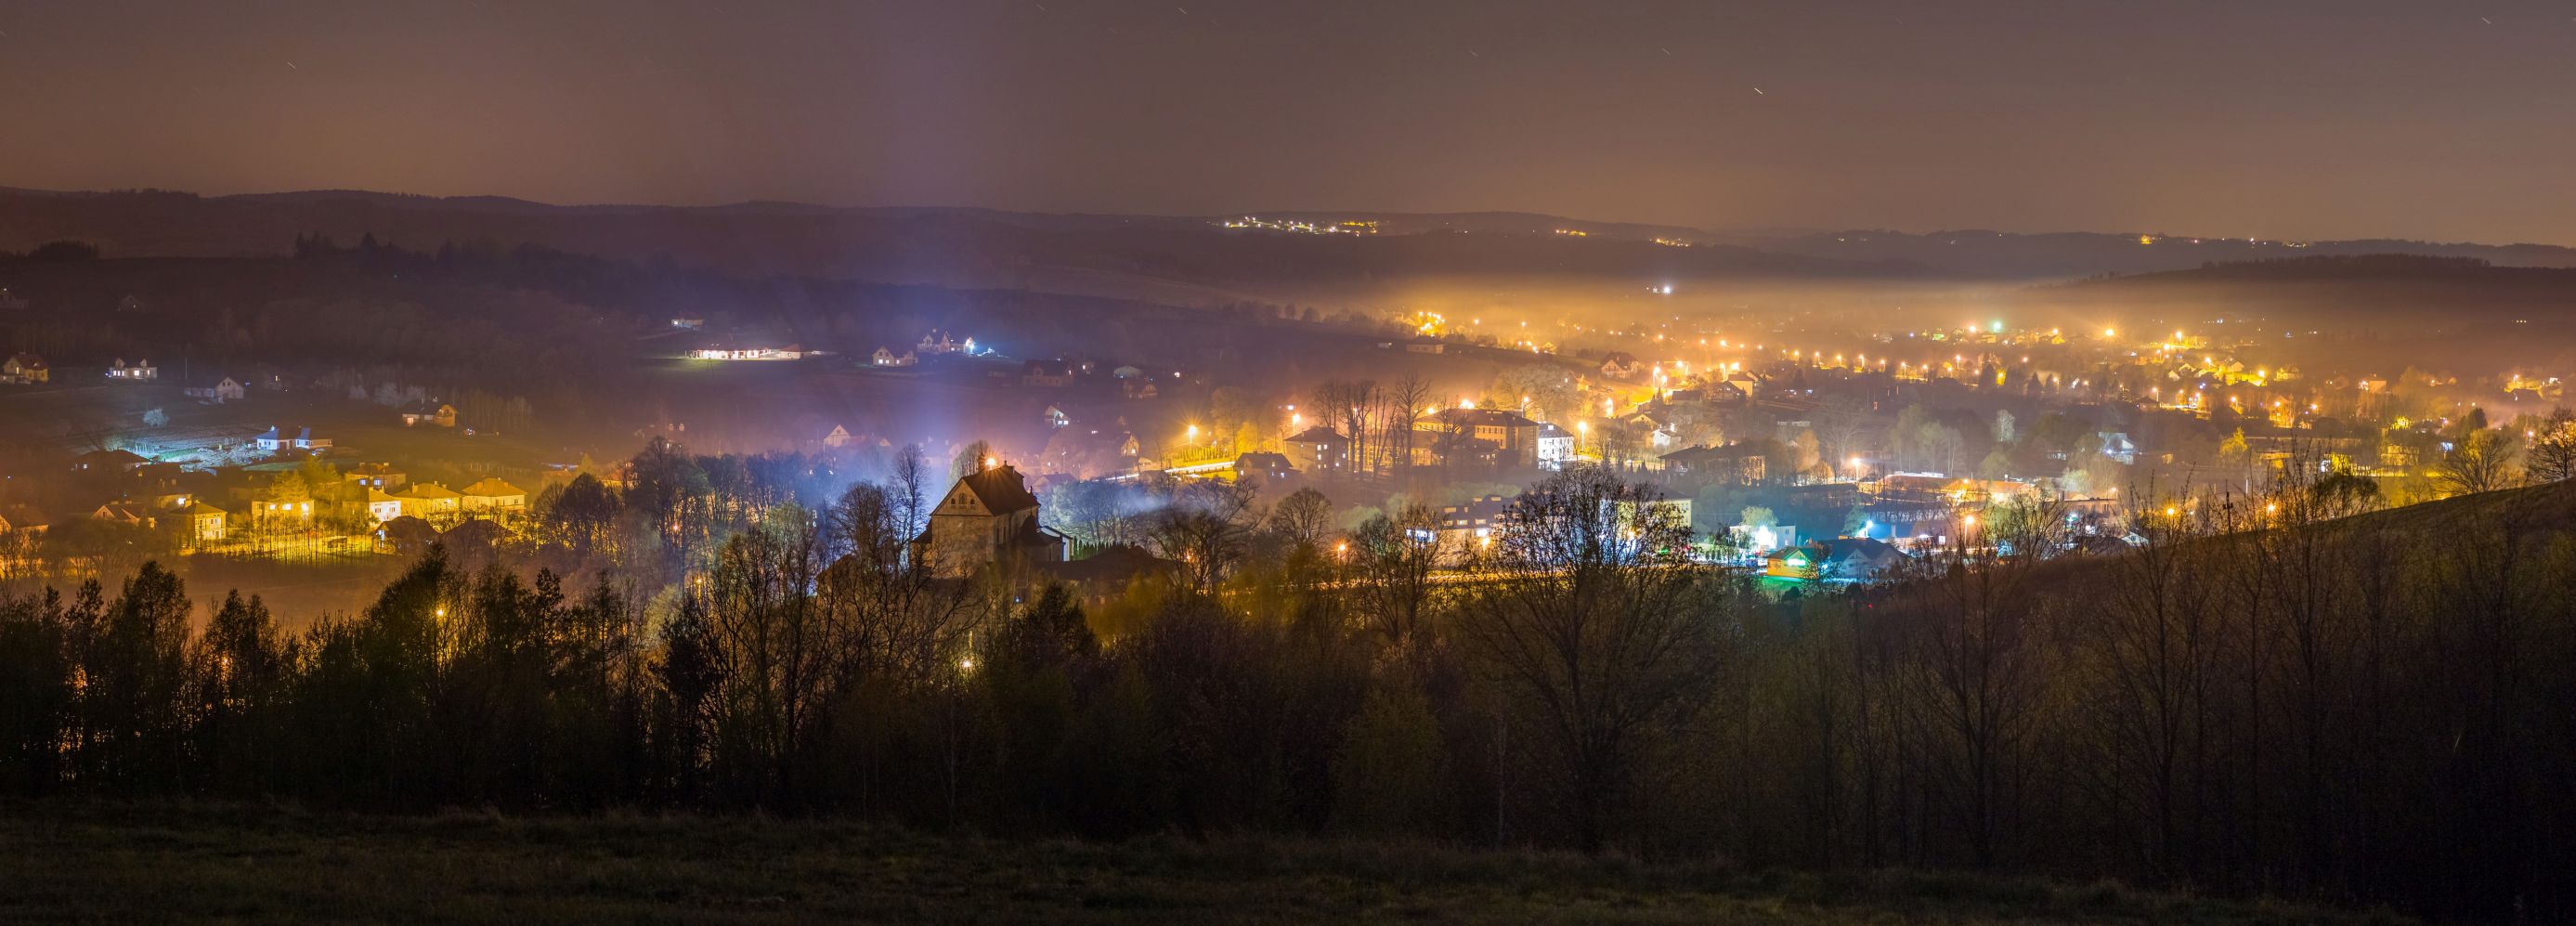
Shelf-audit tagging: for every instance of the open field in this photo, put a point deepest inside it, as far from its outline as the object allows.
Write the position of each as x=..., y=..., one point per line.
x=210, y=863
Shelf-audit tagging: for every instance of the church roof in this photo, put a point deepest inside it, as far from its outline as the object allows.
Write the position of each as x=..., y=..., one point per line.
x=1001, y=489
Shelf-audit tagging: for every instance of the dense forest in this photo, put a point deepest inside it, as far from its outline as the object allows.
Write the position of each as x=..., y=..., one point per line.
x=2273, y=695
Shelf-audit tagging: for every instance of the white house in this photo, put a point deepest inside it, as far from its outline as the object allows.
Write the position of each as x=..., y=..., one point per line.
x=1555, y=446
x=141, y=371
x=886, y=357
x=274, y=440
x=381, y=505
x=2118, y=446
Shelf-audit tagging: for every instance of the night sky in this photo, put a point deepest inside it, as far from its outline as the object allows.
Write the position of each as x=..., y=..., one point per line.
x=2272, y=118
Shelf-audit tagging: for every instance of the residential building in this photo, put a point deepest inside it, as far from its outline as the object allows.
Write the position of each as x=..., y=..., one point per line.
x=1794, y=563
x=220, y=390
x=141, y=371
x=1472, y=525
x=1620, y=365
x=25, y=368
x=137, y=514
x=430, y=413
x=1264, y=466
x=1514, y=435
x=493, y=495
x=109, y=461
x=2118, y=446
x=274, y=440
x=745, y=350
x=886, y=357
x=430, y=501
x=1318, y=449
x=22, y=519
x=1555, y=446
x=204, y=521
x=1737, y=462
x=375, y=476
x=1859, y=559
x=381, y=506
x=939, y=342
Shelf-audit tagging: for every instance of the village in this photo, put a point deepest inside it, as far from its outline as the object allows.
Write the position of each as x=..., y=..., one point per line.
x=1826, y=463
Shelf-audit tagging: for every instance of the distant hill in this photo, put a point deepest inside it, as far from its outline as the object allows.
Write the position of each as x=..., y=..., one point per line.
x=2380, y=311
x=2008, y=255
x=1178, y=260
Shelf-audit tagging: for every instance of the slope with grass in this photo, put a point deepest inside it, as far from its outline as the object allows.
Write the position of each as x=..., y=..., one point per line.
x=205, y=863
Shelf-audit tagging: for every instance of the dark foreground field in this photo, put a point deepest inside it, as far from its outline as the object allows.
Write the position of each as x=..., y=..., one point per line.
x=164, y=863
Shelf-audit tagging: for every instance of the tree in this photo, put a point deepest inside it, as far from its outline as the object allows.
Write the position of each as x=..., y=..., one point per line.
x=63, y=251
x=975, y=457
x=1386, y=775
x=155, y=418
x=1302, y=518
x=2481, y=461
x=1392, y=558
x=1594, y=629
x=2552, y=457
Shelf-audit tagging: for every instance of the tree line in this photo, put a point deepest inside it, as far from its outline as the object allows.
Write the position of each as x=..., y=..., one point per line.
x=2266, y=696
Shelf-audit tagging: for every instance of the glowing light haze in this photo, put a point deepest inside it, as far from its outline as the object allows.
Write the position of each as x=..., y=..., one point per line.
x=2285, y=118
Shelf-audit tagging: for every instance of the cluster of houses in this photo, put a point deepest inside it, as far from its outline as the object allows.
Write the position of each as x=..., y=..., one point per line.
x=199, y=507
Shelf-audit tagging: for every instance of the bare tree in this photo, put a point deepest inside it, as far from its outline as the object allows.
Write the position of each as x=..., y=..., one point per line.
x=1590, y=617
x=1391, y=559
x=2552, y=457
x=1302, y=518
x=2481, y=462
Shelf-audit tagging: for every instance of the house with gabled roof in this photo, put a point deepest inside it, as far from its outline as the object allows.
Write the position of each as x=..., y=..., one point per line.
x=987, y=517
x=23, y=519
x=491, y=494
x=25, y=368
x=204, y=521
x=1620, y=364
x=430, y=501
x=141, y=371
x=109, y=461
x=220, y=390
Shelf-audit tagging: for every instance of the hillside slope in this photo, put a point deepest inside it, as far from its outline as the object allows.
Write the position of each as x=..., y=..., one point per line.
x=187, y=864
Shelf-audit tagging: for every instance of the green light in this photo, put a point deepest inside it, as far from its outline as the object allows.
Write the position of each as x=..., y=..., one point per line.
x=1998, y=327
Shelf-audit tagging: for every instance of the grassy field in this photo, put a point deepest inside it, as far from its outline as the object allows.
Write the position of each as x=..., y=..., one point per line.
x=236, y=863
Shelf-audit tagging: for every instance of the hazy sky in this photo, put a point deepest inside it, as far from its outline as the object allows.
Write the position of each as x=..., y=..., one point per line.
x=2443, y=119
